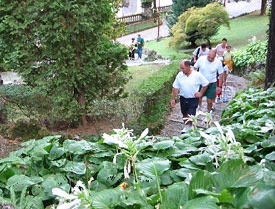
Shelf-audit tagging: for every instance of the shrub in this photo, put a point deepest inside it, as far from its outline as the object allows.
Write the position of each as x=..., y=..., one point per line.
x=254, y=54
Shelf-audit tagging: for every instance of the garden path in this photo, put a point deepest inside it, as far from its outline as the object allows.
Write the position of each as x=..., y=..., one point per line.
x=174, y=123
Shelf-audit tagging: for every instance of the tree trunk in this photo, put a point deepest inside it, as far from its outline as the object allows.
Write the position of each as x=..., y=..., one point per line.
x=82, y=102
x=270, y=61
x=148, y=12
x=263, y=8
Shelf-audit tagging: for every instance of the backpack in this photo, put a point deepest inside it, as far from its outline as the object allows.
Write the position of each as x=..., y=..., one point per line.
x=192, y=60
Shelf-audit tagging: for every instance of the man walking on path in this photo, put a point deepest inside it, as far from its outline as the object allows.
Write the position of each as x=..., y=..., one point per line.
x=188, y=83
x=200, y=51
x=140, y=42
x=209, y=67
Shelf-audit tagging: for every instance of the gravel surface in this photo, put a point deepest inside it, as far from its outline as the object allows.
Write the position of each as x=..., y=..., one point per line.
x=174, y=123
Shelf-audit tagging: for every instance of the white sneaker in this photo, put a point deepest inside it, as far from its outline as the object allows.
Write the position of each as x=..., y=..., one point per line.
x=186, y=129
x=218, y=100
x=209, y=111
x=213, y=106
x=199, y=107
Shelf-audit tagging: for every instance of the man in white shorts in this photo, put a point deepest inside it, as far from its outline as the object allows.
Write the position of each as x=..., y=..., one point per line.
x=209, y=67
x=188, y=83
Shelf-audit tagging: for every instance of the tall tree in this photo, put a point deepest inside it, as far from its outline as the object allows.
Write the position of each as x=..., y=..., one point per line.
x=263, y=7
x=180, y=6
x=64, y=49
x=199, y=23
x=270, y=61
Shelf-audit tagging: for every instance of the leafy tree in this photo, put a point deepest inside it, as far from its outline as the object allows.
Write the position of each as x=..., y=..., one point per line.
x=270, y=64
x=180, y=6
x=64, y=49
x=199, y=23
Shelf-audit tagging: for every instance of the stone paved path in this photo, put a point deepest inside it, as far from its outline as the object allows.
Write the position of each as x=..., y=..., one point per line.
x=234, y=10
x=174, y=123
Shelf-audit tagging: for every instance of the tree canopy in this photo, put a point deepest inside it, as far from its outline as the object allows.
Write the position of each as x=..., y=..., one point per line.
x=199, y=23
x=64, y=49
x=180, y=6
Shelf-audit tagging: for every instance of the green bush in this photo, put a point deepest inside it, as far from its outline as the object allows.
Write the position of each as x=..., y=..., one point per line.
x=154, y=95
x=250, y=56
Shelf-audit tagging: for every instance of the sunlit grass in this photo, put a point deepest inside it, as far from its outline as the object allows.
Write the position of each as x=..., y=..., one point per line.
x=139, y=74
x=241, y=29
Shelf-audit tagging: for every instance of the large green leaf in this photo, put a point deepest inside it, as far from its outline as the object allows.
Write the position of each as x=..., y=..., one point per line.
x=207, y=202
x=200, y=180
x=19, y=182
x=108, y=174
x=163, y=145
x=270, y=156
x=224, y=196
x=269, y=142
x=263, y=196
x=235, y=173
x=50, y=182
x=76, y=147
x=75, y=167
x=241, y=197
x=56, y=152
x=153, y=167
x=108, y=198
x=201, y=159
x=175, y=196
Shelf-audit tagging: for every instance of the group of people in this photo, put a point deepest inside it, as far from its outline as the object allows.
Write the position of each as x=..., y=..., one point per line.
x=136, y=47
x=206, y=79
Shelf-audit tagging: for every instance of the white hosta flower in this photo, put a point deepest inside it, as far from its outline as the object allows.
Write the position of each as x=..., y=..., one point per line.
x=61, y=193
x=143, y=134
x=78, y=185
x=71, y=205
x=114, y=139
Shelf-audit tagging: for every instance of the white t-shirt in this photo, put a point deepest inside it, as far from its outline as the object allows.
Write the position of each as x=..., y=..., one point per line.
x=201, y=53
x=189, y=85
x=209, y=69
x=220, y=50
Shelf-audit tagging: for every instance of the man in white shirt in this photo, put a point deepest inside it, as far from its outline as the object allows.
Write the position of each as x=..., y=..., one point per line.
x=188, y=83
x=209, y=67
x=200, y=51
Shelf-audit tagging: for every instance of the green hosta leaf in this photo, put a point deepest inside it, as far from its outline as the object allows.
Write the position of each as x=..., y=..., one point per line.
x=201, y=159
x=108, y=174
x=269, y=177
x=175, y=196
x=263, y=197
x=241, y=197
x=185, y=172
x=19, y=182
x=207, y=202
x=153, y=167
x=108, y=198
x=270, y=156
x=200, y=180
x=56, y=152
x=33, y=202
x=76, y=147
x=13, y=161
x=166, y=179
x=53, y=181
x=269, y=142
x=235, y=173
x=224, y=196
x=75, y=167
x=163, y=145
x=58, y=163
x=188, y=164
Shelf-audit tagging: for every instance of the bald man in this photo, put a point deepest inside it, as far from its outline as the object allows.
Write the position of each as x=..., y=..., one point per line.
x=188, y=83
x=209, y=67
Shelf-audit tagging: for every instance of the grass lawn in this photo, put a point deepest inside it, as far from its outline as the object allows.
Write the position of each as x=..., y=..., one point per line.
x=139, y=74
x=241, y=29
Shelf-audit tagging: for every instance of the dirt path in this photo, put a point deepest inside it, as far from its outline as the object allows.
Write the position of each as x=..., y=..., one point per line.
x=174, y=123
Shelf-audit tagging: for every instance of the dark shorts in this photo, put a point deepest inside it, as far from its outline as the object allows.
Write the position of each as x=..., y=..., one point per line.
x=210, y=91
x=188, y=105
